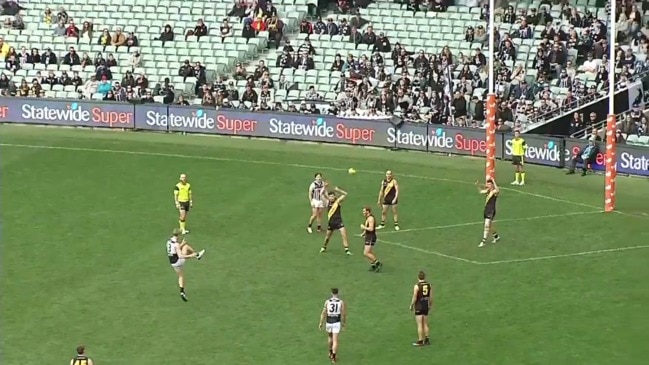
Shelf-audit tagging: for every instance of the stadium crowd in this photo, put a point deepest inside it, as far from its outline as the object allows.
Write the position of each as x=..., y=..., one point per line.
x=569, y=66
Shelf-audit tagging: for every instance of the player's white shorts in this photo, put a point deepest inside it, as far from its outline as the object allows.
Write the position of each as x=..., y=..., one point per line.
x=317, y=203
x=178, y=264
x=332, y=327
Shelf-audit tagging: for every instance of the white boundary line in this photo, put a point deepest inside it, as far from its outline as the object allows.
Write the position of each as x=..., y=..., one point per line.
x=513, y=261
x=551, y=257
x=496, y=221
x=399, y=244
x=258, y=162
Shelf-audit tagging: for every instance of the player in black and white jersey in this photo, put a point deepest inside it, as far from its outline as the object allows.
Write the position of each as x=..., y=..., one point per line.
x=317, y=193
x=333, y=318
x=178, y=250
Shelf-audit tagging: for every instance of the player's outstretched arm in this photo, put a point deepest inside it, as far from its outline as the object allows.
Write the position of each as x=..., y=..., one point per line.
x=481, y=188
x=343, y=193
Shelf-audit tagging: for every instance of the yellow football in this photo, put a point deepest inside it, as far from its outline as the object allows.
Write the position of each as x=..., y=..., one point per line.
x=351, y=171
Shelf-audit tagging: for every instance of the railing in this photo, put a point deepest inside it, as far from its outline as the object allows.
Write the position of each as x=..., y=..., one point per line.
x=549, y=151
x=577, y=104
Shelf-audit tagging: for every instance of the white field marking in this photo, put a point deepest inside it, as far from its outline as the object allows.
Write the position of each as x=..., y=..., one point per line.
x=552, y=257
x=257, y=162
x=403, y=245
x=496, y=221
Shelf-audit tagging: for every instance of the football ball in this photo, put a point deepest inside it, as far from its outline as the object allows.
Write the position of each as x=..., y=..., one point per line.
x=351, y=171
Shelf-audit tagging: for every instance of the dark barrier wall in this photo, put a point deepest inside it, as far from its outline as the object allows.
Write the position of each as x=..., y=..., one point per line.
x=561, y=126
x=549, y=151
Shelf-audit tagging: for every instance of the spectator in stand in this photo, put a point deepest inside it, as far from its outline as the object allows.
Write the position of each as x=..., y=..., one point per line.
x=248, y=32
x=48, y=16
x=87, y=31
x=344, y=28
x=200, y=30
x=131, y=41
x=619, y=138
x=60, y=29
x=200, y=75
x=225, y=29
x=49, y=58
x=62, y=16
x=128, y=80
x=259, y=24
x=4, y=81
x=71, y=58
x=249, y=95
x=104, y=86
x=77, y=81
x=18, y=23
x=142, y=82
x=332, y=28
x=12, y=64
x=72, y=30
x=111, y=61
x=182, y=101
x=239, y=9
x=24, y=89
x=167, y=35
x=239, y=72
x=135, y=60
x=319, y=27
x=306, y=27
x=186, y=70
x=105, y=39
x=382, y=44
x=438, y=6
x=118, y=39
x=275, y=30
x=11, y=53
x=284, y=60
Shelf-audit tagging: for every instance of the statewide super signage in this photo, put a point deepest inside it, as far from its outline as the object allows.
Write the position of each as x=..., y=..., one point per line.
x=551, y=151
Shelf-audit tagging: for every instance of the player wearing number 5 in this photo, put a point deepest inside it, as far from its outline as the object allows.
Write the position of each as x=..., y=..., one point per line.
x=183, y=201
x=422, y=301
x=333, y=317
x=518, y=158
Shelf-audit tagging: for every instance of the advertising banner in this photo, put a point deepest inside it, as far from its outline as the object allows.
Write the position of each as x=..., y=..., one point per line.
x=70, y=113
x=550, y=151
x=631, y=160
x=540, y=150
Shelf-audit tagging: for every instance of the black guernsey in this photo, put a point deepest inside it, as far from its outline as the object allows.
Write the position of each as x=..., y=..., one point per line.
x=80, y=360
x=490, y=205
x=335, y=216
x=389, y=191
x=422, y=302
x=370, y=235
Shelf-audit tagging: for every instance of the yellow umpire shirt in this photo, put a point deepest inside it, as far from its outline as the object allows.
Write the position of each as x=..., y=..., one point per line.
x=518, y=147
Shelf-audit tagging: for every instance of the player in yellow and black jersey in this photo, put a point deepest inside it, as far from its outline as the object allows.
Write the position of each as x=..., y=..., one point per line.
x=389, y=197
x=183, y=201
x=421, y=303
x=491, y=191
x=81, y=358
x=518, y=158
x=334, y=214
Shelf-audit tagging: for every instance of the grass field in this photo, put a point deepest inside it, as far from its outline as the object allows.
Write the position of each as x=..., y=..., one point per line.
x=85, y=216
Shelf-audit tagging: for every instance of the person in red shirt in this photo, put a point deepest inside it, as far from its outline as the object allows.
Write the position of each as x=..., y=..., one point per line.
x=259, y=24
x=72, y=30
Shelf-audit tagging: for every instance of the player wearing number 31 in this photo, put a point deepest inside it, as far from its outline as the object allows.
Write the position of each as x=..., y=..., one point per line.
x=333, y=317
x=518, y=158
x=183, y=201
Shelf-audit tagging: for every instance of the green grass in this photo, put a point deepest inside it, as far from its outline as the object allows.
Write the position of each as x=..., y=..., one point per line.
x=83, y=260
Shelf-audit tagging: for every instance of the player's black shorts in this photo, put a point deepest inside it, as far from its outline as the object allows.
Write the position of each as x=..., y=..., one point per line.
x=421, y=309
x=389, y=201
x=489, y=214
x=335, y=225
x=184, y=206
x=370, y=239
x=517, y=160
